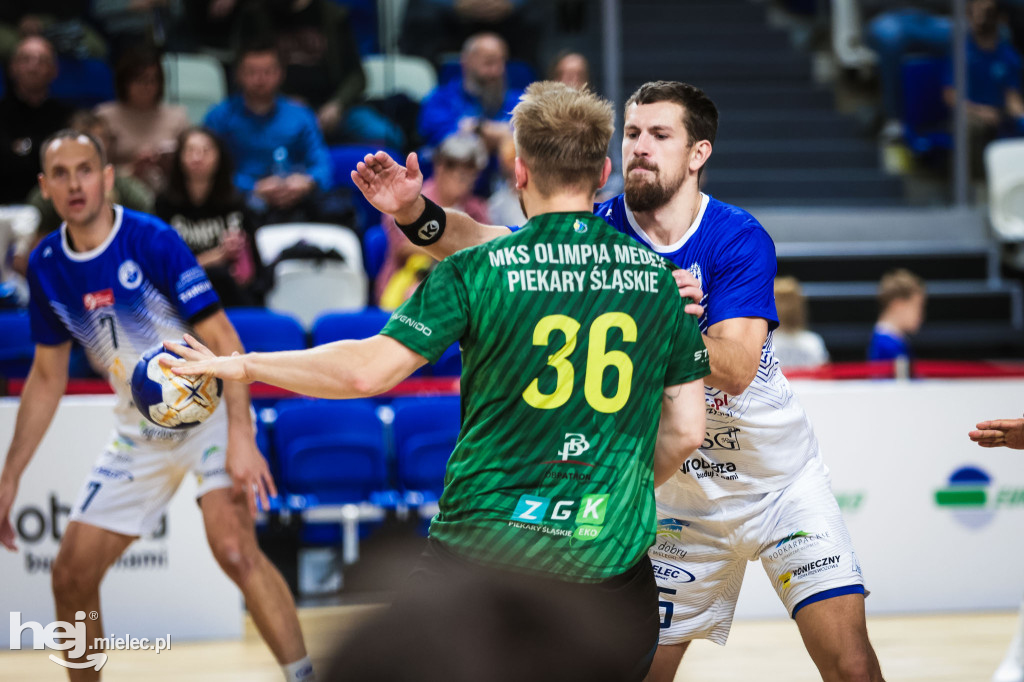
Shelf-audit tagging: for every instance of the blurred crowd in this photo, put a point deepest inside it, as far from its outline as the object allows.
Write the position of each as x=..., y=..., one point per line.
x=265, y=152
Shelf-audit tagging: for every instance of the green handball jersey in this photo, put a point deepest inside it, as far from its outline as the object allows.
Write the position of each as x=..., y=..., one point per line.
x=570, y=332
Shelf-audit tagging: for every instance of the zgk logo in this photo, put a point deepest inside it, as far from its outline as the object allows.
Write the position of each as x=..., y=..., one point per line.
x=587, y=513
x=429, y=230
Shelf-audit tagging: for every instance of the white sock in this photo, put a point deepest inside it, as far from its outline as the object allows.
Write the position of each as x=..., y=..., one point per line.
x=299, y=671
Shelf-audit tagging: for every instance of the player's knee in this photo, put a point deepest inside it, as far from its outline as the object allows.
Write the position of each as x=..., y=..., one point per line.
x=71, y=583
x=856, y=664
x=234, y=557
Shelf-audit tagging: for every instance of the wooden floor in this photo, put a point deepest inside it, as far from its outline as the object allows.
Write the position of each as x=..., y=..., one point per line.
x=949, y=648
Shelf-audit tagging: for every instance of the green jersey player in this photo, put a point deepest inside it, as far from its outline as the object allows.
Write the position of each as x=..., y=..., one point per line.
x=582, y=380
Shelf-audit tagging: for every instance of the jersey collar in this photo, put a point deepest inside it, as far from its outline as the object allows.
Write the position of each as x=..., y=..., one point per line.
x=671, y=248
x=82, y=256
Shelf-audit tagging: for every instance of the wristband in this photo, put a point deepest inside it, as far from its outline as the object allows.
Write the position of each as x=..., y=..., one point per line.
x=428, y=228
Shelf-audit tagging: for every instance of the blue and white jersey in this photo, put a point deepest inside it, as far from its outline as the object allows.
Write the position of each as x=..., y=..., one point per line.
x=139, y=287
x=757, y=441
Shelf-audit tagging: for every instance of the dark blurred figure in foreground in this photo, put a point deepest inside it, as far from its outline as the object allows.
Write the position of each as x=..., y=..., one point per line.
x=481, y=629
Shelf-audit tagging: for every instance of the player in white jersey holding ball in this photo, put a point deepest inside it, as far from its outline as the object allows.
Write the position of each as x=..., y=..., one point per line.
x=121, y=282
x=758, y=489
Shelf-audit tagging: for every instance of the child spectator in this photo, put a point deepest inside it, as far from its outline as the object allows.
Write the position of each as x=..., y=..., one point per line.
x=901, y=298
x=794, y=344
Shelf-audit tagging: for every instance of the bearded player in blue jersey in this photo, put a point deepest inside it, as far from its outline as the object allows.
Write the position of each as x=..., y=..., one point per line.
x=757, y=488
x=120, y=282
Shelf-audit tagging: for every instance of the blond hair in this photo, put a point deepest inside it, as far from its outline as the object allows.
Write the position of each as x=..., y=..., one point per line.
x=562, y=136
x=790, y=304
x=898, y=285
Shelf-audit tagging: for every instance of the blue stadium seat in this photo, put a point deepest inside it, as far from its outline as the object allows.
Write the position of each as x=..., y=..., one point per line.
x=16, y=347
x=331, y=450
x=449, y=364
x=425, y=430
x=925, y=114
x=83, y=83
x=341, y=326
x=375, y=250
x=519, y=74
x=343, y=161
x=263, y=330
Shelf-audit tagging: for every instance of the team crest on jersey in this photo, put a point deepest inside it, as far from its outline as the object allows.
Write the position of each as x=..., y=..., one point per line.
x=695, y=271
x=98, y=299
x=579, y=226
x=129, y=275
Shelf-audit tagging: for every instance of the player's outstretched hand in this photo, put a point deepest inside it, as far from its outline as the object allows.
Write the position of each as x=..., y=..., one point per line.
x=249, y=471
x=999, y=433
x=388, y=185
x=7, y=536
x=689, y=287
x=198, y=359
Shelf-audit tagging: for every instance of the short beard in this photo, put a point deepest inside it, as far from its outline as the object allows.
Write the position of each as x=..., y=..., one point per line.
x=649, y=196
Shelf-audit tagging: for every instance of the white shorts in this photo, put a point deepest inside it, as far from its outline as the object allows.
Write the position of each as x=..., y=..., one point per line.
x=133, y=481
x=700, y=555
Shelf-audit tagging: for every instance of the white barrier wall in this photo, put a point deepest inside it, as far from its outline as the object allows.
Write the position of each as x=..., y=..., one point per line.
x=168, y=584
x=892, y=447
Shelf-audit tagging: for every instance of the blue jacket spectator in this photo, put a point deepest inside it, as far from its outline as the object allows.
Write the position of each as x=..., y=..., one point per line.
x=283, y=163
x=255, y=138
x=475, y=102
x=994, y=102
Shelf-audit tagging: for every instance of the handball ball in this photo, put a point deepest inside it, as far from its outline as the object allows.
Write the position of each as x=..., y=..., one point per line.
x=169, y=400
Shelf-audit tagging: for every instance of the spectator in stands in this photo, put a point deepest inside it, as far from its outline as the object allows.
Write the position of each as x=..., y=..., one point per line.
x=145, y=128
x=795, y=345
x=59, y=21
x=995, y=107
x=480, y=101
x=127, y=190
x=432, y=28
x=281, y=160
x=504, y=204
x=202, y=204
x=570, y=68
x=28, y=115
x=896, y=28
x=901, y=298
x=322, y=66
x=457, y=165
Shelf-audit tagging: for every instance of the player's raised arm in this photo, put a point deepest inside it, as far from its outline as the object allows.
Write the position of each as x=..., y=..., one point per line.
x=395, y=189
x=39, y=400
